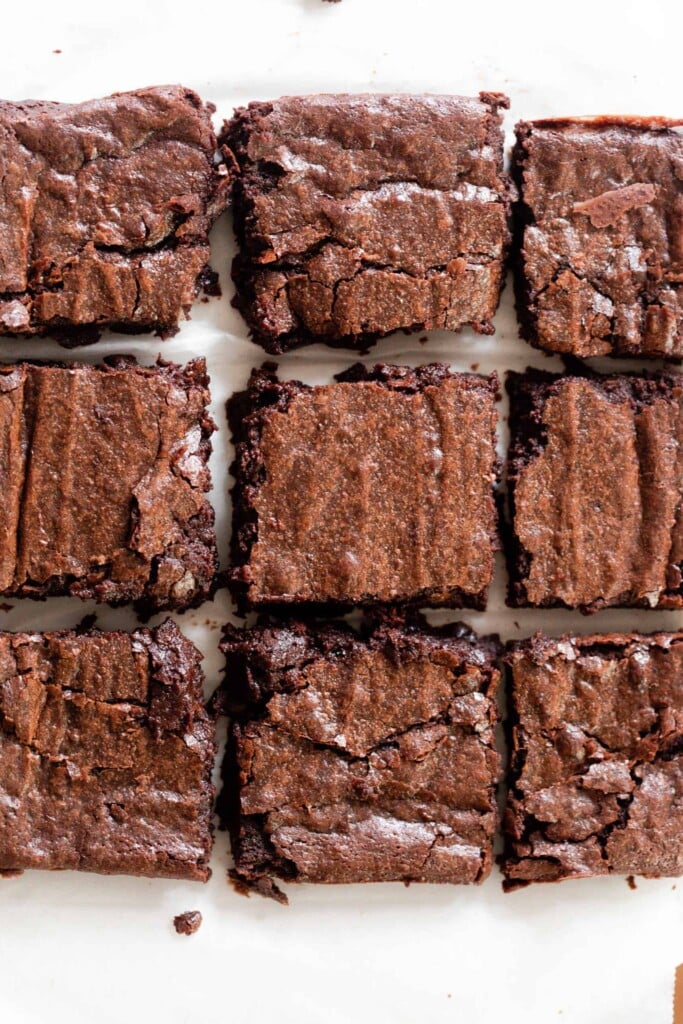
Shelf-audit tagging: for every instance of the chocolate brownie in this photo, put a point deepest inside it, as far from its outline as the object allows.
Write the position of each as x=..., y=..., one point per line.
x=106, y=207
x=597, y=757
x=600, y=267
x=377, y=488
x=595, y=483
x=106, y=753
x=103, y=474
x=360, y=757
x=359, y=215
x=187, y=923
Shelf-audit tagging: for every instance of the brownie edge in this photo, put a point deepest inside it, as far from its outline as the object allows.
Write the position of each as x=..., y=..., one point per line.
x=596, y=730
x=359, y=756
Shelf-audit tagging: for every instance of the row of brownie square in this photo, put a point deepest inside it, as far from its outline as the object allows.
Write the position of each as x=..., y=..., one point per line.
x=356, y=215
x=381, y=489
x=376, y=489
x=353, y=755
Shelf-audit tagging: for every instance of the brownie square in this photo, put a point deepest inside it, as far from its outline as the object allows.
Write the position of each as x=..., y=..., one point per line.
x=601, y=261
x=595, y=484
x=106, y=753
x=359, y=215
x=377, y=488
x=360, y=757
x=597, y=757
x=106, y=207
x=103, y=474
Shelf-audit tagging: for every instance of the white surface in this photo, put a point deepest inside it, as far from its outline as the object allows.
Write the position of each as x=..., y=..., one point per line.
x=80, y=948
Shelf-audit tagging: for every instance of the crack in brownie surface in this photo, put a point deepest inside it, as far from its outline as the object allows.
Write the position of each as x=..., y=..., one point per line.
x=379, y=487
x=601, y=261
x=106, y=208
x=595, y=486
x=103, y=472
x=360, y=757
x=360, y=215
x=106, y=753
x=597, y=757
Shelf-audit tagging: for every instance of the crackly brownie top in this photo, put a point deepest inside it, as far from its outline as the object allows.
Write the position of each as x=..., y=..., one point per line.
x=603, y=249
x=370, y=212
x=103, y=472
x=379, y=486
x=597, y=755
x=596, y=467
x=369, y=756
x=103, y=204
x=106, y=753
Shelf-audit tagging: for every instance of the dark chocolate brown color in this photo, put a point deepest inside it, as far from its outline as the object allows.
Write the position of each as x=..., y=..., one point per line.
x=187, y=923
x=103, y=474
x=377, y=488
x=105, y=208
x=601, y=262
x=595, y=481
x=360, y=215
x=360, y=757
x=106, y=753
x=597, y=757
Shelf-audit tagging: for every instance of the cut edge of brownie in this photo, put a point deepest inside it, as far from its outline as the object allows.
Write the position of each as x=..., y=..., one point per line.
x=528, y=392
x=200, y=534
x=256, y=671
x=175, y=705
x=265, y=391
x=522, y=214
x=608, y=646
x=251, y=179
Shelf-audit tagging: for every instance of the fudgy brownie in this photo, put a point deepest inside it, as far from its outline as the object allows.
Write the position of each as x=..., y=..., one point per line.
x=597, y=757
x=360, y=757
x=595, y=483
x=377, y=488
x=106, y=207
x=106, y=753
x=103, y=474
x=359, y=215
x=600, y=262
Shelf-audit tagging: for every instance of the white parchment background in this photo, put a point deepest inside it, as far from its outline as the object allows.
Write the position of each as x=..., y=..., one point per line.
x=80, y=948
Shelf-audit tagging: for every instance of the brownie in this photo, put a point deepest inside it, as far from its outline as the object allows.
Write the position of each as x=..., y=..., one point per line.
x=188, y=923
x=597, y=757
x=106, y=753
x=103, y=474
x=359, y=215
x=595, y=482
x=359, y=756
x=600, y=262
x=376, y=488
x=106, y=207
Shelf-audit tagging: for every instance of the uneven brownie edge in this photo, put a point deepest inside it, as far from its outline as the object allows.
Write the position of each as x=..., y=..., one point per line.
x=528, y=394
x=247, y=412
x=198, y=554
x=174, y=711
x=259, y=177
x=529, y=855
x=113, y=279
x=523, y=216
x=267, y=660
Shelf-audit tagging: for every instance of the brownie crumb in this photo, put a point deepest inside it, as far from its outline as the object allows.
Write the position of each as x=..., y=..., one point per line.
x=4, y=607
x=631, y=882
x=188, y=923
